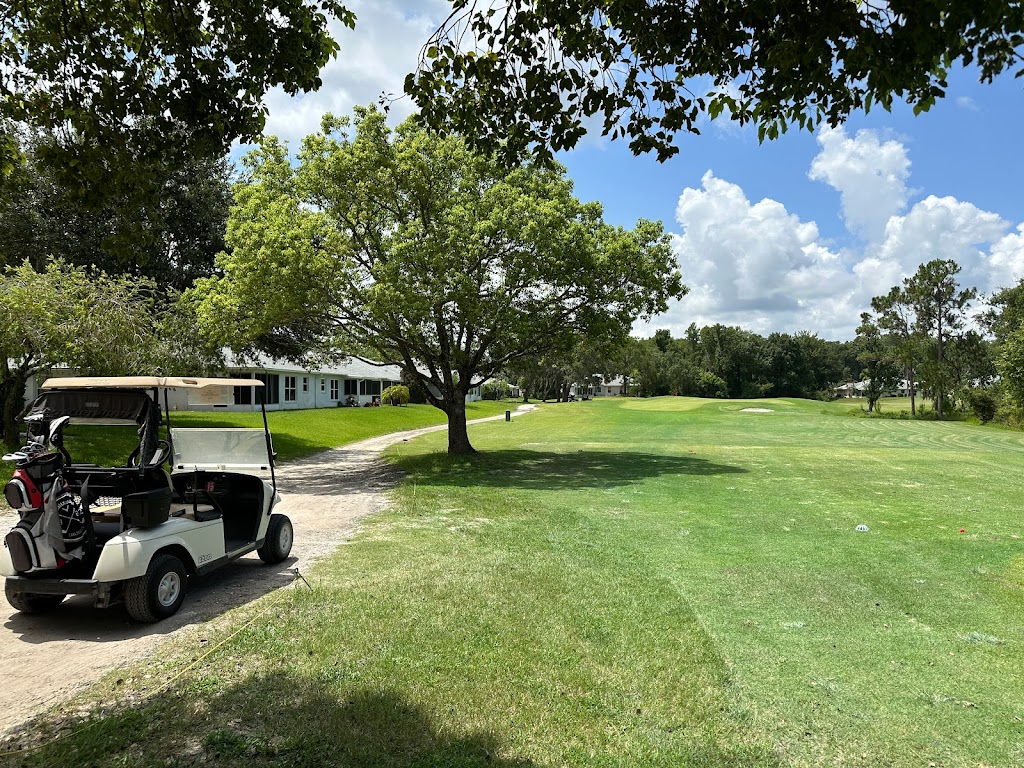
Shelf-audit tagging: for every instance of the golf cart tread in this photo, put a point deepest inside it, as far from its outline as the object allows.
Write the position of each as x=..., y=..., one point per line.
x=272, y=551
x=137, y=598
x=30, y=602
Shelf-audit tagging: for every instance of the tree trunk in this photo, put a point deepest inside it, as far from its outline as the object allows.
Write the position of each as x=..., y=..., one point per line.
x=940, y=390
x=12, y=392
x=458, y=437
x=913, y=391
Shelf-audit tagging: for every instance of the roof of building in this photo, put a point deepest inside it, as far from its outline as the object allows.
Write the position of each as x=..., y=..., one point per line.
x=350, y=368
x=144, y=382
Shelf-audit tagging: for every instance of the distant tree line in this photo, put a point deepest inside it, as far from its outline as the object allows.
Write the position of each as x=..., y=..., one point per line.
x=713, y=361
x=922, y=339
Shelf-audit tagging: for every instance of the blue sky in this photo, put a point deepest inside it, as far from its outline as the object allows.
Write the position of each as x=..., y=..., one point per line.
x=795, y=234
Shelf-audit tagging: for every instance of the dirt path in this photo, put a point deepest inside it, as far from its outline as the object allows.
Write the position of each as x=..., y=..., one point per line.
x=45, y=658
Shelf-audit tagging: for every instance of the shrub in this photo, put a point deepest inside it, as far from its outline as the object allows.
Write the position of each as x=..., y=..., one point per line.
x=983, y=403
x=711, y=385
x=495, y=390
x=395, y=395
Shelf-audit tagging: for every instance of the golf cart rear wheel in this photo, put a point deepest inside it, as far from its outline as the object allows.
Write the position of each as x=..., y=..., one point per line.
x=28, y=602
x=159, y=593
x=278, y=544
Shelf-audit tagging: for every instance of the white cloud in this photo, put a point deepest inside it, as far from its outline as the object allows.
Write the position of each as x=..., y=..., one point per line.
x=753, y=264
x=758, y=266
x=869, y=174
x=935, y=228
x=966, y=102
x=374, y=59
x=1006, y=260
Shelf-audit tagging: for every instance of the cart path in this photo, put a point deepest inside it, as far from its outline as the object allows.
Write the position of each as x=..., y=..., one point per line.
x=45, y=659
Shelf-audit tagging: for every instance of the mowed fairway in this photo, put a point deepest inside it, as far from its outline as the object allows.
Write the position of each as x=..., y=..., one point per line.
x=667, y=582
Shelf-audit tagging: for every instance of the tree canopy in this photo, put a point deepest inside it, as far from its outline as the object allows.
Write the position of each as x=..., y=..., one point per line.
x=410, y=248
x=120, y=82
x=90, y=322
x=924, y=320
x=172, y=241
x=525, y=75
x=941, y=311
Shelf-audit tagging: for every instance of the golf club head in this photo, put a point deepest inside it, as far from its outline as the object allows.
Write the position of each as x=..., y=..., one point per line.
x=57, y=430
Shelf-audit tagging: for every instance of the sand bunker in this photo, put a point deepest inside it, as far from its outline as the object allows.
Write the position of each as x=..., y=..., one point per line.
x=757, y=410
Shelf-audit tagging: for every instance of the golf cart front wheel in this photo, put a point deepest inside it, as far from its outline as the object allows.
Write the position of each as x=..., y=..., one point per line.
x=28, y=602
x=278, y=544
x=159, y=593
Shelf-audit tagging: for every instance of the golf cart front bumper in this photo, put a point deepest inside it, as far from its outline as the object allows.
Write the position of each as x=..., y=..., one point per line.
x=100, y=591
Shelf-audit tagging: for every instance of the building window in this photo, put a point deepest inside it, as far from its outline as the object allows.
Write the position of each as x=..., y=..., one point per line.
x=268, y=392
x=351, y=387
x=243, y=395
x=305, y=384
x=289, y=389
x=334, y=389
x=369, y=387
x=323, y=384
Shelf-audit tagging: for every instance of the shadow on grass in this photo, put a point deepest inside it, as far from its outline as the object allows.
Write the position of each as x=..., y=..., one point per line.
x=76, y=619
x=541, y=470
x=288, y=720
x=279, y=719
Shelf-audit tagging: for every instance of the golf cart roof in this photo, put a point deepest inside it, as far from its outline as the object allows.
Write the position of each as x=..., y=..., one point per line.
x=145, y=382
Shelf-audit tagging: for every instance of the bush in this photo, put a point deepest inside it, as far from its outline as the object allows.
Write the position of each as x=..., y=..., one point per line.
x=711, y=385
x=983, y=404
x=395, y=395
x=495, y=390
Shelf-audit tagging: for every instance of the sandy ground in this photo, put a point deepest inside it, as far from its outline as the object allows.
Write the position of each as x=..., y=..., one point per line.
x=45, y=658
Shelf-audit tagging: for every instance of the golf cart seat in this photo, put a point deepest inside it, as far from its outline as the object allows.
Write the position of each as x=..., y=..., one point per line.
x=121, y=497
x=198, y=512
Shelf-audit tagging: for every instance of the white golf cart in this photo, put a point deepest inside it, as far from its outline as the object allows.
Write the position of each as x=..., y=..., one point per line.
x=134, y=533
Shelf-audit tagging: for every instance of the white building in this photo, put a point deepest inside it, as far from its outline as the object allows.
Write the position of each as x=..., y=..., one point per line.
x=602, y=388
x=286, y=386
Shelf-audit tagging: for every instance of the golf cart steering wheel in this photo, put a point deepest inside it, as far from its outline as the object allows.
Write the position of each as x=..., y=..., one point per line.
x=163, y=451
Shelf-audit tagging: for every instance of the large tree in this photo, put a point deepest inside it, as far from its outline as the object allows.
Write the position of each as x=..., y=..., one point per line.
x=895, y=315
x=412, y=249
x=880, y=372
x=940, y=309
x=86, y=321
x=525, y=74
x=124, y=83
x=1005, y=321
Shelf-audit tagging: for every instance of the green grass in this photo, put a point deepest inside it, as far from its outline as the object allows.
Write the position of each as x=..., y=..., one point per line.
x=664, y=582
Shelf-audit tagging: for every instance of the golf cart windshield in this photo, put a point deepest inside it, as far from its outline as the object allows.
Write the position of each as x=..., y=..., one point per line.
x=220, y=448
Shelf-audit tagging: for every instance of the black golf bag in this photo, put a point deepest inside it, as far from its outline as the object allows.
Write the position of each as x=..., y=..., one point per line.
x=52, y=529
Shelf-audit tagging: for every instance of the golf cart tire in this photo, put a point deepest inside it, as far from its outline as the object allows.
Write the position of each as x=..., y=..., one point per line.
x=278, y=543
x=159, y=593
x=28, y=602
